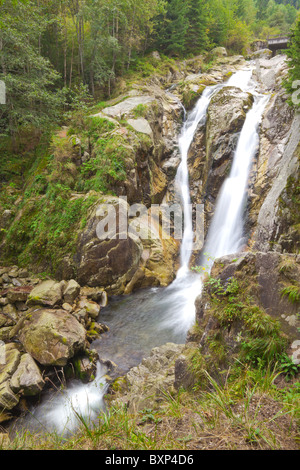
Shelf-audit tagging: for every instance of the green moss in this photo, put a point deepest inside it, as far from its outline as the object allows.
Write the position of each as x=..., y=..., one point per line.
x=140, y=110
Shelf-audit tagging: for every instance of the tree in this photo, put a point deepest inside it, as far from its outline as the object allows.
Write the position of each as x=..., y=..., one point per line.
x=31, y=98
x=196, y=38
x=293, y=52
x=172, y=29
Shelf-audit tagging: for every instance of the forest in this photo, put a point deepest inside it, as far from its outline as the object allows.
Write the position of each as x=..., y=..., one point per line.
x=56, y=53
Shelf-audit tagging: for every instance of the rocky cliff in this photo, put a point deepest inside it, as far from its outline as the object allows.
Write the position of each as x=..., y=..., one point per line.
x=129, y=149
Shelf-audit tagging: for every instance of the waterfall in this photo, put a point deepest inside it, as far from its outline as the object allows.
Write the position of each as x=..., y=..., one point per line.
x=196, y=117
x=225, y=234
x=161, y=315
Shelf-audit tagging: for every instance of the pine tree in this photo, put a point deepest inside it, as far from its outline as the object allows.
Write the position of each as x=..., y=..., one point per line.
x=171, y=32
x=31, y=99
x=197, y=39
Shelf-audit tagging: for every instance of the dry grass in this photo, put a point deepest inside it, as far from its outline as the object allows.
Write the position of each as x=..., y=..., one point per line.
x=205, y=420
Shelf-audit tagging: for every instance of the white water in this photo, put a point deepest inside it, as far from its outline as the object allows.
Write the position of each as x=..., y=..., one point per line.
x=196, y=117
x=171, y=309
x=226, y=231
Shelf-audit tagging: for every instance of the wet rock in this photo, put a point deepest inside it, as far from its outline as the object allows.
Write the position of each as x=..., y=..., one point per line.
x=211, y=153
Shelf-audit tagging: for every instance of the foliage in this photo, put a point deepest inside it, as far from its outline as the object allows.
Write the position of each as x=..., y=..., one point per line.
x=293, y=52
x=261, y=339
x=292, y=293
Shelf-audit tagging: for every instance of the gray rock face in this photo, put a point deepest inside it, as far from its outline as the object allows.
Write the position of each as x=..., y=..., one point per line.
x=212, y=151
x=71, y=291
x=127, y=106
x=278, y=161
x=48, y=293
x=9, y=361
x=143, y=386
x=269, y=273
x=27, y=377
x=141, y=125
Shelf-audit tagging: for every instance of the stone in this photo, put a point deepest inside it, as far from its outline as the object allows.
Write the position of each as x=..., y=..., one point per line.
x=141, y=125
x=48, y=293
x=23, y=273
x=6, y=278
x=127, y=106
x=11, y=312
x=27, y=377
x=219, y=52
x=9, y=361
x=8, y=400
x=144, y=386
x=52, y=337
x=261, y=54
x=18, y=294
x=67, y=307
x=71, y=291
x=81, y=315
x=91, y=308
x=5, y=333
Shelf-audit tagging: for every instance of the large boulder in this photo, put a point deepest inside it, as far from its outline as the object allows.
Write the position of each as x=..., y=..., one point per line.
x=111, y=261
x=133, y=255
x=52, y=337
x=261, y=54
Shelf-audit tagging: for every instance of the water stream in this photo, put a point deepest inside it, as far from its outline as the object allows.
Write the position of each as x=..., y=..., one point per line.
x=151, y=317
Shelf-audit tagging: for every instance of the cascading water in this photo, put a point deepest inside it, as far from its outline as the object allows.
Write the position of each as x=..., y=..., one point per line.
x=190, y=126
x=155, y=316
x=225, y=235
